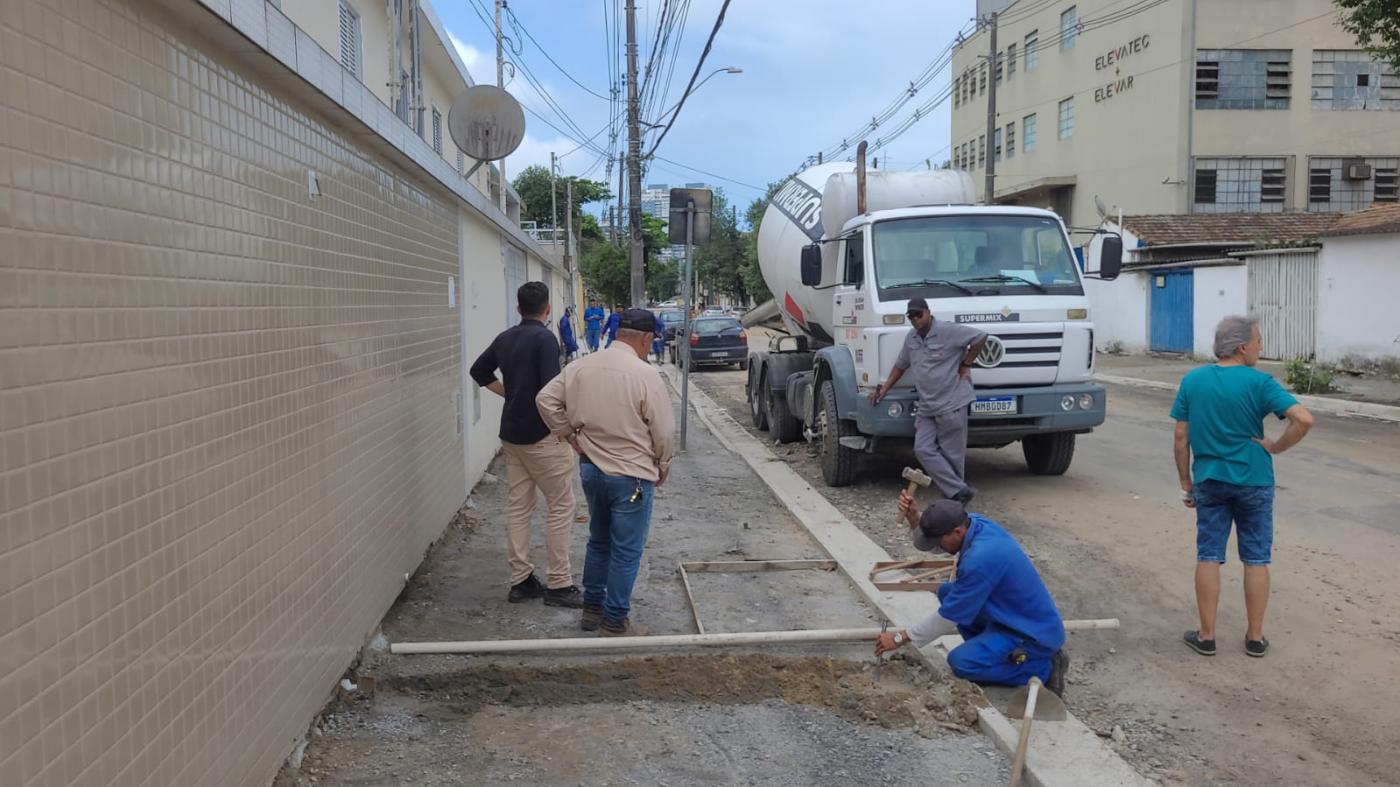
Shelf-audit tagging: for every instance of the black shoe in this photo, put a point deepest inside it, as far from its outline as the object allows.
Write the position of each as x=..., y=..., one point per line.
x=1256, y=647
x=1205, y=647
x=570, y=597
x=1059, y=665
x=964, y=495
x=592, y=617
x=525, y=590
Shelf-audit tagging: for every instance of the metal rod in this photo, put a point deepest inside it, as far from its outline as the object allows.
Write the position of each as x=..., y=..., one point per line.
x=639, y=643
x=689, y=307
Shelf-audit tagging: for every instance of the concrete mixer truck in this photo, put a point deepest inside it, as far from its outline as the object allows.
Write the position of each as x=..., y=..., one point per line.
x=843, y=250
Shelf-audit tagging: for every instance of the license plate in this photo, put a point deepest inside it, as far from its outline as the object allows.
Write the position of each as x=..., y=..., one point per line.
x=994, y=405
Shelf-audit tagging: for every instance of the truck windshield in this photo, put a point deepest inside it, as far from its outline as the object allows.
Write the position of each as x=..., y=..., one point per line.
x=945, y=256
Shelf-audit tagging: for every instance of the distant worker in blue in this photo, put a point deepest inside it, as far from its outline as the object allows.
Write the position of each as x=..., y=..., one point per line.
x=566, y=334
x=1010, y=626
x=593, y=318
x=613, y=320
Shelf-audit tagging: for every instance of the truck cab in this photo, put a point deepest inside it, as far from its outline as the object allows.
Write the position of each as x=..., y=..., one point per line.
x=1006, y=270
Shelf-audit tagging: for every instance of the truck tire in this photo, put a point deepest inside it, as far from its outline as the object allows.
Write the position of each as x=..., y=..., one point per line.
x=758, y=409
x=1048, y=454
x=782, y=425
x=838, y=461
x=742, y=366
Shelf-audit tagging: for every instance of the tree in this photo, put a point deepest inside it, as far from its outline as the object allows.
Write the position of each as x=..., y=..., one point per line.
x=663, y=279
x=532, y=184
x=607, y=271
x=1376, y=25
x=753, y=277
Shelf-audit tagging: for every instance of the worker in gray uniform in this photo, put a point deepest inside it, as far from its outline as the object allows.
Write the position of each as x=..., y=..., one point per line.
x=940, y=355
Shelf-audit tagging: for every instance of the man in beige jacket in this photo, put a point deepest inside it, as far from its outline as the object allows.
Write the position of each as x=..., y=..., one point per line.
x=614, y=409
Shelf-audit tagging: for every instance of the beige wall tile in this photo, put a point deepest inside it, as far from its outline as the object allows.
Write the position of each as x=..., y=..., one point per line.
x=226, y=413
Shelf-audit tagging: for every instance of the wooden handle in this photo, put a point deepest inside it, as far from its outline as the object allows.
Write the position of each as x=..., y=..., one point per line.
x=1023, y=742
x=898, y=516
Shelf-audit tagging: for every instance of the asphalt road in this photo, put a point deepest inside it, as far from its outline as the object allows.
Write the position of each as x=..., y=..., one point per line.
x=1113, y=540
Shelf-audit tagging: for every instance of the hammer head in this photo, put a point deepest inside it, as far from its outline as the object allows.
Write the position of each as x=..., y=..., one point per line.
x=916, y=476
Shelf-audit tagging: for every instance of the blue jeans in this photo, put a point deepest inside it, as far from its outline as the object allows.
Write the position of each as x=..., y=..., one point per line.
x=1251, y=508
x=984, y=657
x=592, y=335
x=617, y=531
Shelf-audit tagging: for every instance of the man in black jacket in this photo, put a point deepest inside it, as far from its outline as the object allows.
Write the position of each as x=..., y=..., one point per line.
x=527, y=356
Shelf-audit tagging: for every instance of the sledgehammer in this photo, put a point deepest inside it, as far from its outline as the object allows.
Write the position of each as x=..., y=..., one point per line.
x=916, y=479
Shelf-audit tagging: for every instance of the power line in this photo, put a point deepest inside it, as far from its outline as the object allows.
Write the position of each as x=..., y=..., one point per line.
x=704, y=53
x=760, y=189
x=517, y=25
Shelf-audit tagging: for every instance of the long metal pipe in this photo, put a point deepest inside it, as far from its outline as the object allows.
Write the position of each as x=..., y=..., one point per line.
x=639, y=643
x=676, y=640
x=860, y=178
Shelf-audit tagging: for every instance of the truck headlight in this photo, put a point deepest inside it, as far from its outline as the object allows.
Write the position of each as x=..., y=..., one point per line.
x=896, y=409
x=1086, y=401
x=1067, y=403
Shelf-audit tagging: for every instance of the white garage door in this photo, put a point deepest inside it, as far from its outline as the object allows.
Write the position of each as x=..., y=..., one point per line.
x=1283, y=295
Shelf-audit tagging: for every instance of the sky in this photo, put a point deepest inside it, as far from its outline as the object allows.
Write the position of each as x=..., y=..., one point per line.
x=813, y=73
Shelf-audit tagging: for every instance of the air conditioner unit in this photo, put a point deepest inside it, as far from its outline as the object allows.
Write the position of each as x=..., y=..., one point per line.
x=1356, y=170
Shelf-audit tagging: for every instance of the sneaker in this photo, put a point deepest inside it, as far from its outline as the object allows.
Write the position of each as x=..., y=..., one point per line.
x=1205, y=647
x=570, y=597
x=592, y=617
x=1059, y=665
x=1256, y=647
x=621, y=628
x=965, y=495
x=525, y=590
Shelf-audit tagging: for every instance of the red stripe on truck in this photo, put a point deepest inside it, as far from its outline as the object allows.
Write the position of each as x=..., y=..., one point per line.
x=794, y=310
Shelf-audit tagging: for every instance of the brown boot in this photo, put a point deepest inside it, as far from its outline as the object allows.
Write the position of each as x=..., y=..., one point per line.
x=592, y=617
x=621, y=628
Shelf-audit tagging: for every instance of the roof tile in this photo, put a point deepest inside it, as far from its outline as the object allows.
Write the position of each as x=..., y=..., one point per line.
x=1245, y=229
x=1375, y=219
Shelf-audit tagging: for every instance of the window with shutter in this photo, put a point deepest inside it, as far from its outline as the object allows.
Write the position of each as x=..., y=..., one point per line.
x=437, y=131
x=350, y=40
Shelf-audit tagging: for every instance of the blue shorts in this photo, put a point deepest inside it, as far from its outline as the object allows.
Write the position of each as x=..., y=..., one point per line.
x=1250, y=508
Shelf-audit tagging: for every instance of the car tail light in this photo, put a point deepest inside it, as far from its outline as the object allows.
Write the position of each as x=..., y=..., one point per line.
x=695, y=340
x=744, y=337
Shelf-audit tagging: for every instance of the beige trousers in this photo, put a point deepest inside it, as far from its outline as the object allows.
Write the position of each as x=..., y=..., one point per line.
x=547, y=466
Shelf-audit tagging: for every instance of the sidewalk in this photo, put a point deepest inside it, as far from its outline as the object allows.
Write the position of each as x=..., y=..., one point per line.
x=790, y=715
x=1367, y=396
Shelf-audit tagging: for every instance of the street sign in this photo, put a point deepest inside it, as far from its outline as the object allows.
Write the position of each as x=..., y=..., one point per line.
x=675, y=229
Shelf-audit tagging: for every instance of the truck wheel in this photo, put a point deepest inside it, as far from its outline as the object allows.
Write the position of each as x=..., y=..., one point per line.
x=1048, y=454
x=838, y=461
x=782, y=426
x=758, y=408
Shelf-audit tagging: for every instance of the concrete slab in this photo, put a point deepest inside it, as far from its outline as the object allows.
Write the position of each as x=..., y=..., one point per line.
x=1060, y=753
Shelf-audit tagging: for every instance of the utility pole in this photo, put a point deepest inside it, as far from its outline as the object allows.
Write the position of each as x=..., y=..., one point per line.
x=634, y=163
x=568, y=227
x=553, y=205
x=501, y=83
x=621, y=173
x=990, y=188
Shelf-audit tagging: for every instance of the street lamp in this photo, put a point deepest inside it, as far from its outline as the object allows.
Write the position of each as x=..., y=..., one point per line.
x=673, y=107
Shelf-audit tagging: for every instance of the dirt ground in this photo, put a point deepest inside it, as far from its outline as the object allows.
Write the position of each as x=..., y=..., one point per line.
x=799, y=715
x=1112, y=540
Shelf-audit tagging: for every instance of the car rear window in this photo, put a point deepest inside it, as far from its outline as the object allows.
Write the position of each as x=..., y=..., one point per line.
x=673, y=316
x=711, y=325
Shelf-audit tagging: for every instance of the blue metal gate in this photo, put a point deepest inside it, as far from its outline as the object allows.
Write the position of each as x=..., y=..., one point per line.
x=1172, y=311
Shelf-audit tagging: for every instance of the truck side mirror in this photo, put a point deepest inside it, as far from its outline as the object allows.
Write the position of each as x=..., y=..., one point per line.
x=1110, y=257
x=811, y=265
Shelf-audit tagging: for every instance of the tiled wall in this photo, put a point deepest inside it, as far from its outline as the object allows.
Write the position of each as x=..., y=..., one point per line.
x=226, y=414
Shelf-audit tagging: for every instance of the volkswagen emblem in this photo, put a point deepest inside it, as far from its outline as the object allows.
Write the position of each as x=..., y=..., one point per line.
x=993, y=353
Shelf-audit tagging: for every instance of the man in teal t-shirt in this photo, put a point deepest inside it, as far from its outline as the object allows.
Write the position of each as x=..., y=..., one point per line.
x=1219, y=413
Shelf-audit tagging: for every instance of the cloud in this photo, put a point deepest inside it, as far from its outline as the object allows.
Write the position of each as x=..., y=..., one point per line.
x=471, y=56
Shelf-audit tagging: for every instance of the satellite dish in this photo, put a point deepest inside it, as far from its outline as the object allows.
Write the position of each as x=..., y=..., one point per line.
x=1098, y=205
x=486, y=122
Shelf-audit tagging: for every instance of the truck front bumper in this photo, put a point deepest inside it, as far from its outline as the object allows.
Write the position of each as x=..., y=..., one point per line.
x=1038, y=410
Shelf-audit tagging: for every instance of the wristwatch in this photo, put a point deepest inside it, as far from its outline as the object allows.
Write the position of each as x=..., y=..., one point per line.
x=899, y=639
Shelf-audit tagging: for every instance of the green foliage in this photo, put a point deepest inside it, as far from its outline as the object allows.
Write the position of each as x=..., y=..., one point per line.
x=663, y=279
x=1376, y=25
x=1306, y=377
x=532, y=184
x=606, y=270
x=753, y=278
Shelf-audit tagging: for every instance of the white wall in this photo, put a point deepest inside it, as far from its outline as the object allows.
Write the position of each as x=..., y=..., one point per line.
x=483, y=316
x=1218, y=292
x=1119, y=311
x=1358, y=277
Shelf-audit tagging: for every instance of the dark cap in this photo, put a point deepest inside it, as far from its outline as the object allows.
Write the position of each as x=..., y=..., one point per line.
x=917, y=303
x=938, y=520
x=638, y=320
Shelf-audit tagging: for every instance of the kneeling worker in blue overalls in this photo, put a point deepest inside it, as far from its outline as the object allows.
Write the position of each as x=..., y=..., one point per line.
x=1010, y=627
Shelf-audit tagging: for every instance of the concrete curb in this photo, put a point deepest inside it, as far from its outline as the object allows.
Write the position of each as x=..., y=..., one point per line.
x=1318, y=404
x=1060, y=753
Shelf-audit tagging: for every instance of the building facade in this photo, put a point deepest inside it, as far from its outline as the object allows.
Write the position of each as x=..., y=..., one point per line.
x=240, y=293
x=1183, y=106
